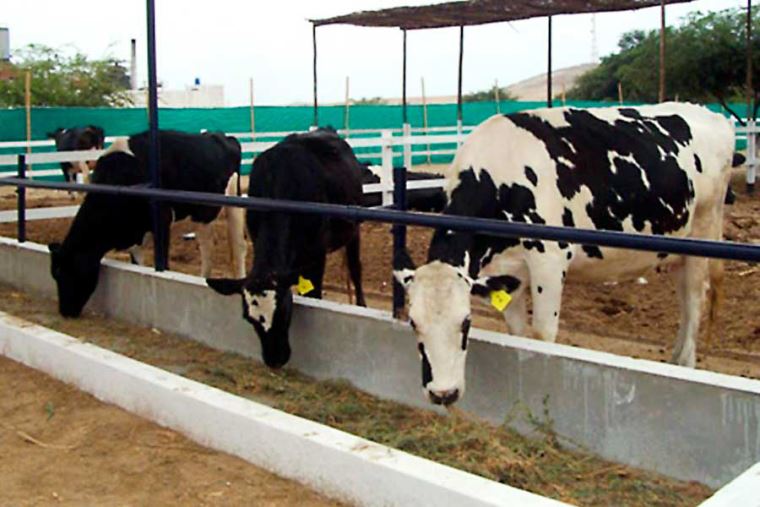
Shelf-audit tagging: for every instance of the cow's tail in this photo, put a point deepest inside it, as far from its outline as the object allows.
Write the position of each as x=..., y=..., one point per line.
x=715, y=297
x=235, y=228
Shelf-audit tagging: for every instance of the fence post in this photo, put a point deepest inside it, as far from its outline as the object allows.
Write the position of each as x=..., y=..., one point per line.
x=399, y=234
x=407, y=136
x=386, y=169
x=21, y=210
x=751, y=156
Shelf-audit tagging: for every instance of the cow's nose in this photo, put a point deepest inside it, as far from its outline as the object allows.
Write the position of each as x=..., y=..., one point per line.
x=444, y=397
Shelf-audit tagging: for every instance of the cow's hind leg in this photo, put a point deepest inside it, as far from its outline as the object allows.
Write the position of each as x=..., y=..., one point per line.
x=235, y=230
x=547, y=278
x=205, y=235
x=353, y=258
x=691, y=284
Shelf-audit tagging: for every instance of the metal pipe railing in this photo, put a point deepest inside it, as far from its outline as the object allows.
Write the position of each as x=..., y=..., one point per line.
x=680, y=246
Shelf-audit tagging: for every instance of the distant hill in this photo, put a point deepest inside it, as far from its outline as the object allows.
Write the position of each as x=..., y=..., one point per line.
x=534, y=88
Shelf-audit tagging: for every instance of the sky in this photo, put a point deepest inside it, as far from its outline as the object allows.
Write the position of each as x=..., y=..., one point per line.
x=228, y=42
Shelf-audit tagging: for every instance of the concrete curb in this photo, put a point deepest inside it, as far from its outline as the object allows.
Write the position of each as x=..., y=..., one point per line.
x=331, y=461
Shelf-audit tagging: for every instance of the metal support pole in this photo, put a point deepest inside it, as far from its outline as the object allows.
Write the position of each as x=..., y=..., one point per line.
x=399, y=235
x=661, y=94
x=405, y=117
x=314, y=45
x=459, y=82
x=751, y=146
x=549, y=64
x=154, y=154
x=21, y=191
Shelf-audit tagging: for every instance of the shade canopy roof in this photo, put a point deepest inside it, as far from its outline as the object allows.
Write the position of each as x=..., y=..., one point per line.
x=479, y=12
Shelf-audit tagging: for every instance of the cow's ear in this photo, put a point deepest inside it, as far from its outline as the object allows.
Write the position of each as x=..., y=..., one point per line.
x=484, y=286
x=226, y=286
x=54, y=248
x=403, y=268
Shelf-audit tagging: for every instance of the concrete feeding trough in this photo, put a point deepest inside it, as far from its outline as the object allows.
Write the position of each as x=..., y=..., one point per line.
x=687, y=424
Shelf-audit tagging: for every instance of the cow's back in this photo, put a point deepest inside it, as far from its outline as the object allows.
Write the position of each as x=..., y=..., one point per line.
x=647, y=169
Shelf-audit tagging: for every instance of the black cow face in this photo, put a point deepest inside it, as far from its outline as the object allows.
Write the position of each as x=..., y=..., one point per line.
x=268, y=307
x=76, y=277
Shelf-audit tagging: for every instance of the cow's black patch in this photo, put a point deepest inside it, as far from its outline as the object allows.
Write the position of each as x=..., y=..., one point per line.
x=562, y=245
x=645, y=183
x=531, y=175
x=697, y=163
x=592, y=251
x=465, y=332
x=569, y=255
x=476, y=196
x=530, y=244
x=540, y=289
x=662, y=255
x=427, y=370
x=567, y=218
x=519, y=203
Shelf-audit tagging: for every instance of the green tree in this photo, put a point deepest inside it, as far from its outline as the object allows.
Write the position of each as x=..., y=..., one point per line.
x=488, y=95
x=64, y=80
x=705, y=61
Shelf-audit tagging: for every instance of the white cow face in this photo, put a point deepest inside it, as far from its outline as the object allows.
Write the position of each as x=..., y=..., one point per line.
x=439, y=312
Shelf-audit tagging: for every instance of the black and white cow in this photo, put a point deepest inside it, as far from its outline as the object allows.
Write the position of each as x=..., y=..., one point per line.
x=207, y=162
x=658, y=169
x=90, y=137
x=291, y=249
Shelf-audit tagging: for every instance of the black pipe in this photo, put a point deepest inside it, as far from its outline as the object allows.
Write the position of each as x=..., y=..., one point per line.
x=154, y=154
x=459, y=82
x=399, y=234
x=314, y=46
x=21, y=191
x=403, y=83
x=681, y=246
x=549, y=66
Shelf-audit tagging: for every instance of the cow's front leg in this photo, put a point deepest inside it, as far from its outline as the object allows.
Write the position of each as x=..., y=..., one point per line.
x=547, y=278
x=313, y=274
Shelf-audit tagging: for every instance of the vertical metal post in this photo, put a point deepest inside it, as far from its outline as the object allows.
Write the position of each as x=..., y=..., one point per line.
x=459, y=81
x=751, y=146
x=314, y=46
x=399, y=234
x=549, y=64
x=21, y=191
x=154, y=155
x=404, y=116
x=661, y=93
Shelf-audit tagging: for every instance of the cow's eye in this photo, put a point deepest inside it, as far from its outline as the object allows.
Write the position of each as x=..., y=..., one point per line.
x=465, y=332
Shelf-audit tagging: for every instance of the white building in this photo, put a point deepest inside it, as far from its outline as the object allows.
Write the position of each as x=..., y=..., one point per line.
x=192, y=96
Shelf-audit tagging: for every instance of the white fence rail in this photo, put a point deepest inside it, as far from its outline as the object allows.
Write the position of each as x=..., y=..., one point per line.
x=378, y=147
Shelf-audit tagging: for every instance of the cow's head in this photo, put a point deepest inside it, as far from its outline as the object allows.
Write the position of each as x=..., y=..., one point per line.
x=75, y=275
x=268, y=307
x=439, y=312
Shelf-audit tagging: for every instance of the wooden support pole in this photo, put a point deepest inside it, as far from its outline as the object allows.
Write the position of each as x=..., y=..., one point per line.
x=620, y=93
x=750, y=91
x=496, y=97
x=661, y=94
x=253, y=116
x=346, y=108
x=28, y=107
x=425, y=117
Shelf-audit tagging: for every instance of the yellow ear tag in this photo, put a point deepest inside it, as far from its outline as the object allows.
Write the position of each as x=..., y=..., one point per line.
x=304, y=286
x=500, y=299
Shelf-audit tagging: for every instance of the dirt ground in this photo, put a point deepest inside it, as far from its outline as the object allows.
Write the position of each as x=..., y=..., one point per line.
x=627, y=318
x=63, y=447
x=543, y=463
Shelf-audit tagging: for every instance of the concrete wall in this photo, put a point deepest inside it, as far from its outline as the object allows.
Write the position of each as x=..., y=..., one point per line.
x=688, y=424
